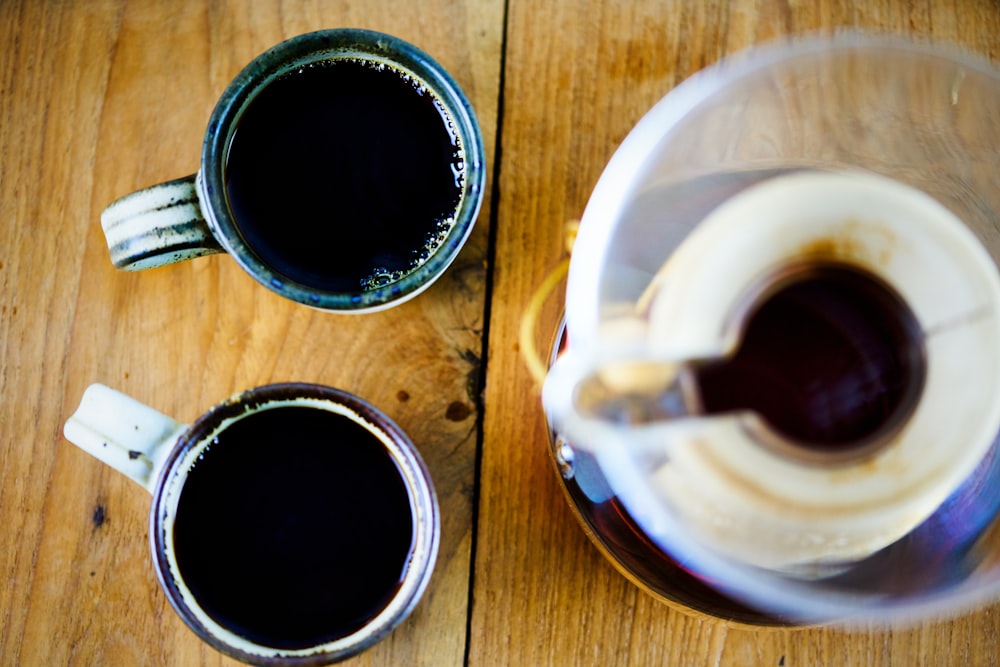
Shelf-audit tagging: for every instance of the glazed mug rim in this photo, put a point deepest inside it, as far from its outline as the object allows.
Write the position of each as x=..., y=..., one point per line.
x=317, y=46
x=413, y=471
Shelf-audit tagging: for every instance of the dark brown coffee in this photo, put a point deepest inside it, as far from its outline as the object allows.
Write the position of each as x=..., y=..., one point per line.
x=612, y=526
x=294, y=527
x=830, y=356
x=344, y=175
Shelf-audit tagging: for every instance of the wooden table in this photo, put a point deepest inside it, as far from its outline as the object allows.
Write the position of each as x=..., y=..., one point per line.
x=100, y=98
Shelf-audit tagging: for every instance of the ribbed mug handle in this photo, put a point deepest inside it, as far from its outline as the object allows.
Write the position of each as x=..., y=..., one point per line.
x=159, y=225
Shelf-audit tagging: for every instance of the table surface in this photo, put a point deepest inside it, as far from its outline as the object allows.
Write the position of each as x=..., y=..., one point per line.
x=100, y=98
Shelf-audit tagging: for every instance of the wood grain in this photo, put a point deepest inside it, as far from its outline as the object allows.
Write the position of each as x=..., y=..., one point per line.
x=578, y=76
x=100, y=98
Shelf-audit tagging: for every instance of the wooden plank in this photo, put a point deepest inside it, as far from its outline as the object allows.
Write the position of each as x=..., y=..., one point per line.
x=97, y=100
x=578, y=76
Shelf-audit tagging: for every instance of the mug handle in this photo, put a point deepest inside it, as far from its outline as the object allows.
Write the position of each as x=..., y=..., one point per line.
x=123, y=433
x=159, y=225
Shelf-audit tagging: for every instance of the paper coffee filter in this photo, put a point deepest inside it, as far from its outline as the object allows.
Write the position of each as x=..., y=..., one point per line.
x=777, y=513
x=894, y=231
x=804, y=540
x=748, y=501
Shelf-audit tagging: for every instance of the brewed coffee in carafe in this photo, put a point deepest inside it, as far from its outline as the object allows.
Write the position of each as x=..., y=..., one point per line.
x=789, y=397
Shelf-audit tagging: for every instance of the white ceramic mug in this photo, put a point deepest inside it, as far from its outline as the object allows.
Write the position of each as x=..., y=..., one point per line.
x=245, y=504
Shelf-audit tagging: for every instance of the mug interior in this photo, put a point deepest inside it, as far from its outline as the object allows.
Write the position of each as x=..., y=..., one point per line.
x=240, y=641
x=327, y=45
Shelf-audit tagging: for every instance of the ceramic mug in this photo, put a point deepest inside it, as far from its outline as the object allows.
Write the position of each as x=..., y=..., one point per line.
x=353, y=182
x=292, y=524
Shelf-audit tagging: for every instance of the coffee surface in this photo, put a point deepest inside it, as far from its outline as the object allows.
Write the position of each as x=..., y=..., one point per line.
x=344, y=175
x=294, y=527
x=829, y=358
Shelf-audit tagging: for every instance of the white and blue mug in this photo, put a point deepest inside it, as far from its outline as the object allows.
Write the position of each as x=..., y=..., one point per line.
x=343, y=169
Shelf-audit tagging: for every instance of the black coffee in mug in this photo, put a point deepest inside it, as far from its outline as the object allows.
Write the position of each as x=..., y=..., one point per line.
x=342, y=169
x=344, y=174
x=294, y=527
